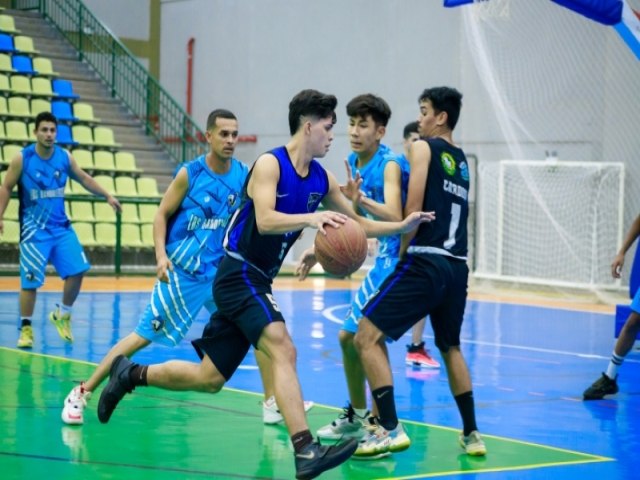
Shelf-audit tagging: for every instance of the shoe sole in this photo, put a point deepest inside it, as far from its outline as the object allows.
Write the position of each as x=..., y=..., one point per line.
x=60, y=330
x=421, y=365
x=71, y=421
x=30, y=345
x=340, y=436
x=479, y=452
x=335, y=461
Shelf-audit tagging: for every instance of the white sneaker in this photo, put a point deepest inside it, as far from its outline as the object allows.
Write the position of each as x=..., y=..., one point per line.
x=72, y=412
x=473, y=444
x=270, y=413
x=348, y=425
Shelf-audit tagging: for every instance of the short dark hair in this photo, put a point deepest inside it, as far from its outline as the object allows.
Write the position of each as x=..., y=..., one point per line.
x=444, y=99
x=409, y=128
x=311, y=103
x=45, y=117
x=369, y=104
x=219, y=113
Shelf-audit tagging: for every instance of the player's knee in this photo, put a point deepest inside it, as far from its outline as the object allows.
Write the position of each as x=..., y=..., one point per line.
x=346, y=340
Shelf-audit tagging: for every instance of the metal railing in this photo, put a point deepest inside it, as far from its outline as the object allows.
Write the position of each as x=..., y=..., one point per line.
x=128, y=80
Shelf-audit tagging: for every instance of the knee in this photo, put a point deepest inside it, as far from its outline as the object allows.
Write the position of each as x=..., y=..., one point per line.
x=346, y=340
x=365, y=337
x=214, y=385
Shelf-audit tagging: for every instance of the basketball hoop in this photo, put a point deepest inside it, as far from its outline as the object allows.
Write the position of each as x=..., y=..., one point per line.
x=487, y=9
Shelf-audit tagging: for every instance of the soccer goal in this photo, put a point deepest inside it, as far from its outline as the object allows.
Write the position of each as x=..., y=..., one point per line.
x=549, y=222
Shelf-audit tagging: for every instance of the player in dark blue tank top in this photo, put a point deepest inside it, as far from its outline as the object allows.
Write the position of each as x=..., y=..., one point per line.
x=431, y=279
x=41, y=172
x=282, y=193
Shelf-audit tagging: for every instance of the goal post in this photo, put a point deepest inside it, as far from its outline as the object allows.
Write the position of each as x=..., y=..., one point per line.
x=549, y=222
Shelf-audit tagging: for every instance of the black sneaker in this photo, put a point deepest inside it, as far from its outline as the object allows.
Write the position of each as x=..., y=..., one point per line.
x=316, y=458
x=601, y=387
x=119, y=384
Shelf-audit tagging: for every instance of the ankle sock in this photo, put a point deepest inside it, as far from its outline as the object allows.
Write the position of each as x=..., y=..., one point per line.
x=26, y=322
x=138, y=375
x=64, y=309
x=301, y=439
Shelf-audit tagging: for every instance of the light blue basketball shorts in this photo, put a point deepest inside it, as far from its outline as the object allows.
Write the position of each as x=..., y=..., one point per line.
x=58, y=245
x=174, y=306
x=380, y=271
x=635, y=303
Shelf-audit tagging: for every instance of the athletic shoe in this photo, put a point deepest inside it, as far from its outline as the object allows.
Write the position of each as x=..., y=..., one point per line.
x=316, y=458
x=473, y=444
x=26, y=337
x=381, y=442
x=270, y=413
x=119, y=384
x=348, y=424
x=417, y=355
x=72, y=412
x=62, y=323
x=601, y=387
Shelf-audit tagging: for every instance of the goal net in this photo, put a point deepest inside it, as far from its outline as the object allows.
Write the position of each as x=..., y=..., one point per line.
x=549, y=222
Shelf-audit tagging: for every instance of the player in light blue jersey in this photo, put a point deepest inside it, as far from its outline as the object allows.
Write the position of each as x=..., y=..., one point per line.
x=41, y=171
x=188, y=230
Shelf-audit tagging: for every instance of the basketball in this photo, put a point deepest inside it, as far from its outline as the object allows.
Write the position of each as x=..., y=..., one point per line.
x=342, y=250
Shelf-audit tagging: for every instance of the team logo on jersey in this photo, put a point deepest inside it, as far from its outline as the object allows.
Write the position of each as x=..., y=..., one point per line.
x=207, y=199
x=448, y=163
x=29, y=276
x=157, y=324
x=464, y=171
x=56, y=174
x=313, y=201
x=231, y=199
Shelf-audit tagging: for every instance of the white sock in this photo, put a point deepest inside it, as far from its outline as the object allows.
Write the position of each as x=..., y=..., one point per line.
x=361, y=412
x=614, y=364
x=64, y=309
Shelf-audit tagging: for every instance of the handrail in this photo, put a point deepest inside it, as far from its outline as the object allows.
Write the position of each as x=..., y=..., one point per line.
x=127, y=79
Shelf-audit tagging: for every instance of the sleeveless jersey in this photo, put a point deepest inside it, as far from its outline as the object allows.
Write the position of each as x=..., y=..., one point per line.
x=294, y=195
x=41, y=191
x=446, y=193
x=373, y=187
x=196, y=230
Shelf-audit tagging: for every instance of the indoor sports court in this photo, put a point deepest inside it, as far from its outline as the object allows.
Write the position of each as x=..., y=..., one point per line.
x=530, y=356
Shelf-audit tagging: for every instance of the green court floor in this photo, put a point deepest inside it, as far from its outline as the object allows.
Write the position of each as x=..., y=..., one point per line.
x=156, y=434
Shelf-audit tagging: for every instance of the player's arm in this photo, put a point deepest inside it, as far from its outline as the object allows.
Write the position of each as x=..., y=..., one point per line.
x=170, y=202
x=391, y=209
x=262, y=189
x=10, y=180
x=335, y=200
x=419, y=160
x=90, y=184
x=618, y=261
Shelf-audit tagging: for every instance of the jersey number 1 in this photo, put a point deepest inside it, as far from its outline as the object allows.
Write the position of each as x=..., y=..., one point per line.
x=453, y=226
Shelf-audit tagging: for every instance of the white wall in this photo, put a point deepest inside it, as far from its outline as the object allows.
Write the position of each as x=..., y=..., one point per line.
x=125, y=18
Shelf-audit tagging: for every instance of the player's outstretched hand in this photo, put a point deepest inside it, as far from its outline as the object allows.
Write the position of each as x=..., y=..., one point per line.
x=334, y=219
x=616, y=266
x=163, y=267
x=306, y=262
x=115, y=204
x=351, y=189
x=414, y=219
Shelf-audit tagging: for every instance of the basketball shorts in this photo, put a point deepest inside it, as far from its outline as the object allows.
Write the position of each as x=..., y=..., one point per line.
x=422, y=285
x=381, y=270
x=635, y=303
x=245, y=307
x=58, y=245
x=173, y=307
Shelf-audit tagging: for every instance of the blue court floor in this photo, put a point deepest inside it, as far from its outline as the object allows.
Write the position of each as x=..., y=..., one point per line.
x=529, y=366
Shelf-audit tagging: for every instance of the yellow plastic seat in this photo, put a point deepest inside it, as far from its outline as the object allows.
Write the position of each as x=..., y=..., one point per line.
x=105, y=234
x=84, y=158
x=24, y=45
x=84, y=112
x=146, y=233
x=7, y=24
x=103, y=212
x=41, y=86
x=16, y=131
x=78, y=189
x=3, y=133
x=126, y=186
x=9, y=151
x=67, y=208
x=103, y=160
x=39, y=105
x=5, y=63
x=83, y=135
x=20, y=85
x=148, y=187
x=86, y=236
x=130, y=236
x=11, y=233
x=11, y=213
x=105, y=182
x=103, y=136
x=82, y=211
x=44, y=67
x=130, y=213
x=4, y=107
x=19, y=107
x=68, y=190
x=147, y=212
x=31, y=130
x=5, y=86
x=126, y=162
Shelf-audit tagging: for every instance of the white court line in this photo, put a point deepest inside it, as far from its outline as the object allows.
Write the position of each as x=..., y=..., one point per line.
x=329, y=315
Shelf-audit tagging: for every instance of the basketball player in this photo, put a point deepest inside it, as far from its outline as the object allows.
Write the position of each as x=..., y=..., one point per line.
x=41, y=171
x=188, y=230
x=284, y=188
x=607, y=384
x=430, y=279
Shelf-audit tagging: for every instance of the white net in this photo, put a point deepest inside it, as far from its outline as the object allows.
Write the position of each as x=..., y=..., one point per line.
x=549, y=223
x=541, y=77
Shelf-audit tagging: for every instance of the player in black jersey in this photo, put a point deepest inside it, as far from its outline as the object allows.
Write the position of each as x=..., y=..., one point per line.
x=283, y=190
x=430, y=279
